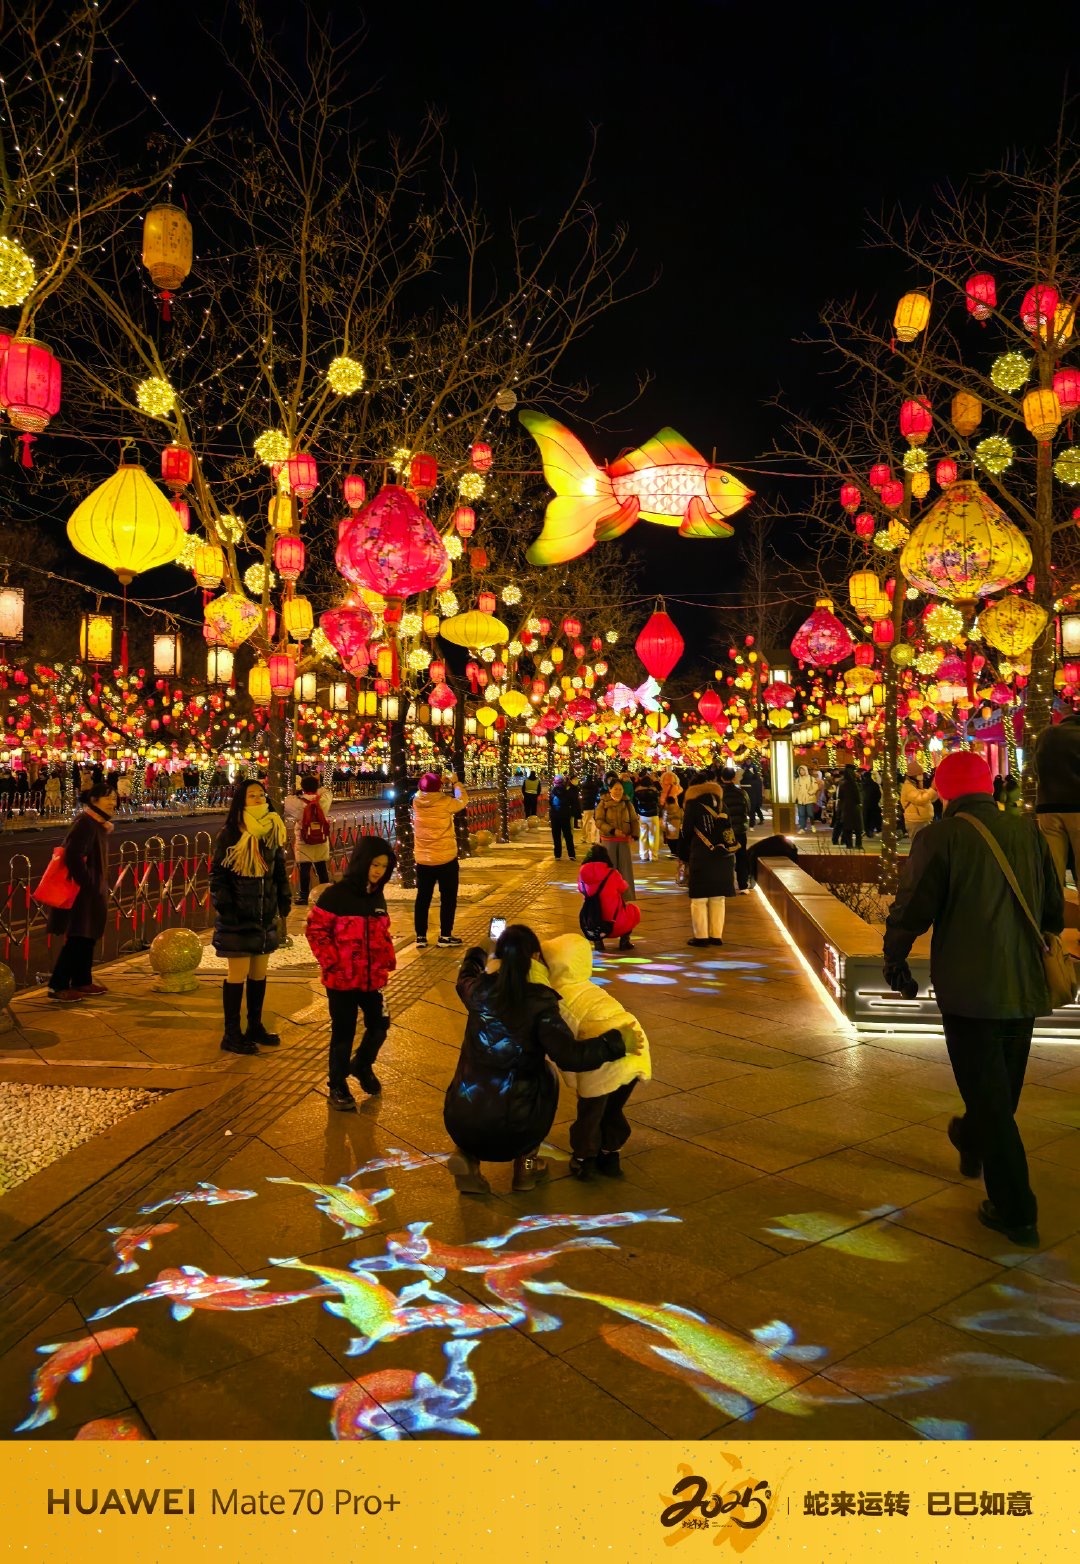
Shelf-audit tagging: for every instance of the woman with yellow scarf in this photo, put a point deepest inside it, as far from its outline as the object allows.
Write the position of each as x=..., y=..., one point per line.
x=249, y=887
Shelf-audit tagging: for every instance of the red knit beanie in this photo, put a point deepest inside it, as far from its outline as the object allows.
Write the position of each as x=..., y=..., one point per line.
x=431, y=782
x=962, y=773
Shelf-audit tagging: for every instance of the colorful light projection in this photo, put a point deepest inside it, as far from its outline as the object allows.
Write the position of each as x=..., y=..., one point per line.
x=202, y=1195
x=352, y=1209
x=127, y=1240
x=396, y=1402
x=69, y=1360
x=191, y=1288
x=666, y=481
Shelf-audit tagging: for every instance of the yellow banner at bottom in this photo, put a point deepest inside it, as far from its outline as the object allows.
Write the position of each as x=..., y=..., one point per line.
x=438, y=1501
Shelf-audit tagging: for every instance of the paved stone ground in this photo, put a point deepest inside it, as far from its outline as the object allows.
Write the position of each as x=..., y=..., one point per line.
x=817, y=1198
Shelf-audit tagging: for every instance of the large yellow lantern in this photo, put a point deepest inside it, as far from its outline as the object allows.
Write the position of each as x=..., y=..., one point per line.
x=965, y=547
x=912, y=314
x=1042, y=413
x=232, y=617
x=298, y=617
x=474, y=629
x=1013, y=624
x=127, y=524
x=966, y=412
x=864, y=589
x=514, y=703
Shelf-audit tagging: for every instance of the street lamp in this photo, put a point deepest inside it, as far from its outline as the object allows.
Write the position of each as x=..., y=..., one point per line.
x=782, y=768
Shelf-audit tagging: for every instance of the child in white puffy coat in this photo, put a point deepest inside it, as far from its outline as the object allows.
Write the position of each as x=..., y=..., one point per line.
x=601, y=1127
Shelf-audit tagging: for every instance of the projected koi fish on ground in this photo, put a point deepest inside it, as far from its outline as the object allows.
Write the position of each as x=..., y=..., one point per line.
x=352, y=1209
x=395, y=1402
x=190, y=1289
x=584, y=1224
x=402, y=1161
x=127, y=1240
x=666, y=481
x=70, y=1360
x=1027, y=1314
x=111, y=1428
x=202, y=1195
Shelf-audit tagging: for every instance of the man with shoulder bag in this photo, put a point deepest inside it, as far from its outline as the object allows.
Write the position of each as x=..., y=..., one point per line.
x=986, y=882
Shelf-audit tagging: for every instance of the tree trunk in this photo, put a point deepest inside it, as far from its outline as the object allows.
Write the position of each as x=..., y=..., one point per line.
x=278, y=740
x=1039, y=705
x=399, y=776
x=504, y=785
x=889, y=869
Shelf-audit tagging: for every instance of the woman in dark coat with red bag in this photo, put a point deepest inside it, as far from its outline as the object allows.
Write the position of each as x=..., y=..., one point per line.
x=502, y=1100
x=249, y=887
x=83, y=924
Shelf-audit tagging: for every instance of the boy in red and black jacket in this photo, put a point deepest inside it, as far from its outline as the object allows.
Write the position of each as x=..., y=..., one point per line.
x=349, y=935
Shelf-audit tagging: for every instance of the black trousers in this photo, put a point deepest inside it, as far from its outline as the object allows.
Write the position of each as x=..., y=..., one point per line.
x=322, y=871
x=531, y=801
x=742, y=861
x=74, y=964
x=346, y=1004
x=601, y=1124
x=428, y=876
x=562, y=831
x=989, y=1059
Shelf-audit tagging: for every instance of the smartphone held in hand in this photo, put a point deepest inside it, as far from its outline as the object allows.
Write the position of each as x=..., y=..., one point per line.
x=495, y=928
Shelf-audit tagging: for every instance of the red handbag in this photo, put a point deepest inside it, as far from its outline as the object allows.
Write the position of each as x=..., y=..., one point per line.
x=56, y=888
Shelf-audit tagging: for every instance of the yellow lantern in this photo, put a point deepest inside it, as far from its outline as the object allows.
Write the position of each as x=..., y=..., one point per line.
x=1013, y=624
x=514, y=703
x=864, y=589
x=486, y=716
x=1063, y=326
x=966, y=412
x=912, y=314
x=920, y=485
x=232, y=617
x=127, y=524
x=96, y=638
x=282, y=513
x=780, y=717
x=897, y=533
x=431, y=624
x=298, y=618
x=219, y=665
x=859, y=680
x=384, y=662
x=965, y=547
x=209, y=566
x=167, y=246
x=582, y=733
x=557, y=655
x=561, y=740
x=1042, y=413
x=259, y=685
x=475, y=629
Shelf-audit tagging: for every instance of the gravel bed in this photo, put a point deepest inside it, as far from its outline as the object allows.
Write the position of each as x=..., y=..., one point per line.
x=38, y=1124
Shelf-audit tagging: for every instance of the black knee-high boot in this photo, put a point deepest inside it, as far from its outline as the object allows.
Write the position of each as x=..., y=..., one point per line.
x=365, y=1056
x=234, y=1041
x=256, y=1032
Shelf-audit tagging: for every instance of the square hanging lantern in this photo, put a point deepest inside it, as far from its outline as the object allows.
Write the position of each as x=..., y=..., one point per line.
x=12, y=602
x=167, y=655
x=177, y=466
x=390, y=708
x=96, y=638
x=339, y=697
x=1070, y=635
x=219, y=665
x=305, y=687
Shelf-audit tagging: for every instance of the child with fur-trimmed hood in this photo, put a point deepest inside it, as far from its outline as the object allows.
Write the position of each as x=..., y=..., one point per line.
x=601, y=1128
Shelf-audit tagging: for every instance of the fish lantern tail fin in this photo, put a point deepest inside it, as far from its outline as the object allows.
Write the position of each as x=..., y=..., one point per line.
x=700, y=522
x=584, y=498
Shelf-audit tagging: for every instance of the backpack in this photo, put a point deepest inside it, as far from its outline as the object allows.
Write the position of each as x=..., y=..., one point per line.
x=314, y=826
x=593, y=923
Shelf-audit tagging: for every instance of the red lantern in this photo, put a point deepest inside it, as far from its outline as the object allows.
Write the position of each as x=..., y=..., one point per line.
x=347, y=630
x=776, y=695
x=481, y=457
x=289, y=557
x=659, y=645
x=880, y=473
x=471, y=670
x=545, y=626
x=981, y=290
x=482, y=677
x=711, y=707
x=177, y=466
x=183, y=510
x=442, y=697
x=864, y=656
x=486, y=602
x=884, y=632
x=478, y=558
x=390, y=546
x=282, y=673
x=464, y=519
x=423, y=474
x=578, y=650
x=437, y=672
x=916, y=420
x=850, y=496
x=355, y=491
x=498, y=671
x=1039, y=307
x=1067, y=388
x=597, y=643
x=30, y=380
x=821, y=640
x=303, y=475
x=539, y=687
x=945, y=472
x=865, y=525
x=571, y=627
x=892, y=493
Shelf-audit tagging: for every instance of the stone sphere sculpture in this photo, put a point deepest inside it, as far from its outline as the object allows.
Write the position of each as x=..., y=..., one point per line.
x=175, y=956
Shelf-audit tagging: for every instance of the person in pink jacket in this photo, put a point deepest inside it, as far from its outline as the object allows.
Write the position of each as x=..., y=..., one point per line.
x=435, y=850
x=617, y=918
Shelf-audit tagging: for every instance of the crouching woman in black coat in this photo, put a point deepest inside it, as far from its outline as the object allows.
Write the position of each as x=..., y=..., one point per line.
x=249, y=887
x=502, y=1100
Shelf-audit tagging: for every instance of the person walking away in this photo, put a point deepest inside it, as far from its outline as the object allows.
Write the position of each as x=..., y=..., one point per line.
x=848, y=824
x=647, y=805
x=349, y=933
x=530, y=792
x=313, y=835
x=737, y=811
x=871, y=802
x=601, y=1128
x=249, y=890
x=575, y=803
x=83, y=923
x=916, y=801
x=590, y=792
x=986, y=967
x=1057, y=802
x=606, y=914
x=435, y=849
x=502, y=1100
x=561, y=818
x=1010, y=799
x=755, y=792
x=673, y=819
x=708, y=847
x=617, y=826
x=806, y=792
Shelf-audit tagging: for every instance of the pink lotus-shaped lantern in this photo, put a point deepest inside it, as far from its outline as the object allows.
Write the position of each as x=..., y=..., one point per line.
x=779, y=694
x=822, y=640
x=389, y=546
x=443, y=698
x=581, y=708
x=347, y=630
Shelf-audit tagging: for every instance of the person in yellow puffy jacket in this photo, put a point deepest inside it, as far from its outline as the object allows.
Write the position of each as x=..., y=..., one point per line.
x=435, y=849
